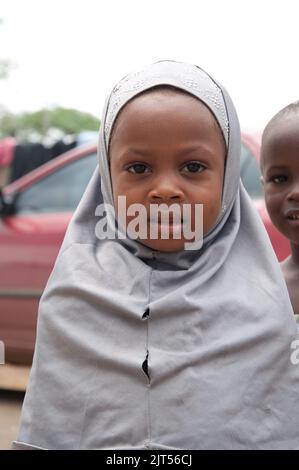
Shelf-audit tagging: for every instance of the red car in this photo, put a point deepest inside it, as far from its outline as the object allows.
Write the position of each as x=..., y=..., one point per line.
x=36, y=210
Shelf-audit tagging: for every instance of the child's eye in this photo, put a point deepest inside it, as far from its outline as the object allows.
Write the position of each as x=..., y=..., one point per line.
x=138, y=168
x=278, y=179
x=194, y=167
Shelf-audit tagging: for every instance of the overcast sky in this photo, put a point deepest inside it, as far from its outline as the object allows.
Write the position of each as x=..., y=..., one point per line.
x=72, y=52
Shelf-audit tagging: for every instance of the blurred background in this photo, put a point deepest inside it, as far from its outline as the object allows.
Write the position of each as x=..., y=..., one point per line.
x=58, y=62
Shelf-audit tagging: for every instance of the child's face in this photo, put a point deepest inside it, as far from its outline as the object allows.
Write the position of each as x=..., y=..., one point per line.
x=280, y=169
x=168, y=148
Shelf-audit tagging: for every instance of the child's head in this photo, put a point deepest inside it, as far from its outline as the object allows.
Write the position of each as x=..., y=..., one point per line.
x=167, y=147
x=280, y=170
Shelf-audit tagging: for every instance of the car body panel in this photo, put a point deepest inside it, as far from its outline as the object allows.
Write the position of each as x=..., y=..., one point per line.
x=29, y=244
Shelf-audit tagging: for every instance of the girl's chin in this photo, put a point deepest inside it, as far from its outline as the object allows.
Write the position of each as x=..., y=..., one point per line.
x=169, y=245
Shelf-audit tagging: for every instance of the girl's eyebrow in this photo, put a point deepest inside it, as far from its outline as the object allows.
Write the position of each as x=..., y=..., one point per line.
x=277, y=168
x=130, y=151
x=147, y=153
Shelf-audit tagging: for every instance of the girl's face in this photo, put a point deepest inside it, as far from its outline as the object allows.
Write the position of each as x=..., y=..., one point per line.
x=280, y=168
x=166, y=147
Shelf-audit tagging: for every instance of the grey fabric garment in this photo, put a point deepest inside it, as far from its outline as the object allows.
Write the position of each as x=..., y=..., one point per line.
x=148, y=350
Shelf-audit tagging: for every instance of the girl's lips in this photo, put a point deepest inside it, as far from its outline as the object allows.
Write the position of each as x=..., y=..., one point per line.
x=170, y=224
x=168, y=228
x=168, y=221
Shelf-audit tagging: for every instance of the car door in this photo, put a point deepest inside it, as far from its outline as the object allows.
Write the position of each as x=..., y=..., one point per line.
x=29, y=243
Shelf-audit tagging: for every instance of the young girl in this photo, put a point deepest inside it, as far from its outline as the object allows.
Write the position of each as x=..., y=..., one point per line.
x=142, y=343
x=280, y=169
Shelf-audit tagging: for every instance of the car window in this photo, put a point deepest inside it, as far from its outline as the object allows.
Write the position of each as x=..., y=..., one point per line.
x=60, y=191
x=250, y=173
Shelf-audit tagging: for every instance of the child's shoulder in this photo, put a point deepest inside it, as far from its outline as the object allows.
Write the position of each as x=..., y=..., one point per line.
x=286, y=265
x=291, y=274
x=290, y=269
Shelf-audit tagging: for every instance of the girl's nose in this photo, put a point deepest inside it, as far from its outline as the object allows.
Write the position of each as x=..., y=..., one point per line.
x=293, y=194
x=166, y=188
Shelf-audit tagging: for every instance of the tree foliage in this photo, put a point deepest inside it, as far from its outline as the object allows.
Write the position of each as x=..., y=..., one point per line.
x=40, y=123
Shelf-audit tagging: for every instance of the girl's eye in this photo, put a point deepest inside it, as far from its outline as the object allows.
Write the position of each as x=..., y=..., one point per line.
x=138, y=168
x=279, y=179
x=194, y=167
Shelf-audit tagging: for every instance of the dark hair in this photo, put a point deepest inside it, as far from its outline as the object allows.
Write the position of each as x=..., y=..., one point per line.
x=292, y=108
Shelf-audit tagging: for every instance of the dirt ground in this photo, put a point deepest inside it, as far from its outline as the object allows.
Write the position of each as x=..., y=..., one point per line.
x=13, y=382
x=10, y=408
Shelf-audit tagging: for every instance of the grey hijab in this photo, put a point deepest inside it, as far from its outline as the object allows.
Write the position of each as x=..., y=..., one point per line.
x=139, y=349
